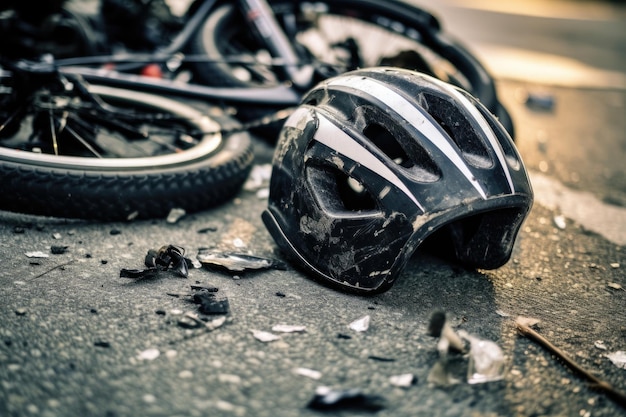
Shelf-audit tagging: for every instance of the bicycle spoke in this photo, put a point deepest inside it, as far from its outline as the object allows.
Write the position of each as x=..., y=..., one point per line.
x=83, y=142
x=53, y=134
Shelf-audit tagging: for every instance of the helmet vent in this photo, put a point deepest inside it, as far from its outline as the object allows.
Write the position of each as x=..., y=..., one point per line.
x=337, y=191
x=502, y=136
x=387, y=143
x=399, y=147
x=461, y=130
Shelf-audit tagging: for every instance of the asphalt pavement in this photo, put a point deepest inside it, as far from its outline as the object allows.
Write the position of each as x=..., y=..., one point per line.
x=79, y=340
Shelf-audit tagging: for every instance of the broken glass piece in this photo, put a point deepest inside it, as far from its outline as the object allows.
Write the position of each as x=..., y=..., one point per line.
x=36, y=254
x=309, y=373
x=209, y=304
x=618, y=358
x=360, y=325
x=265, y=336
x=149, y=354
x=175, y=215
x=486, y=362
x=328, y=399
x=237, y=262
x=288, y=328
x=138, y=273
x=403, y=381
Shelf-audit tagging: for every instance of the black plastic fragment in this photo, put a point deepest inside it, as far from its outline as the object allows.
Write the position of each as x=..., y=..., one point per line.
x=138, y=273
x=58, y=249
x=353, y=399
x=167, y=257
x=209, y=303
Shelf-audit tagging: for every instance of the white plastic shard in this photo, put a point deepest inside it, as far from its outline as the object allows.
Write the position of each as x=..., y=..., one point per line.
x=360, y=325
x=265, y=337
x=618, y=358
x=288, y=328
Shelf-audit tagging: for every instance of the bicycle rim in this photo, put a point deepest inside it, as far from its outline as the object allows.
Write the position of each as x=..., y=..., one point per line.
x=208, y=171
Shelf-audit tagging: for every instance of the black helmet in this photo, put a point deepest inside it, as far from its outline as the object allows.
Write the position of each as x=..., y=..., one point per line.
x=376, y=160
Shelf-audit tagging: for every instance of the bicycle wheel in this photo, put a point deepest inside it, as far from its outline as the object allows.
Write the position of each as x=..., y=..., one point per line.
x=133, y=155
x=338, y=36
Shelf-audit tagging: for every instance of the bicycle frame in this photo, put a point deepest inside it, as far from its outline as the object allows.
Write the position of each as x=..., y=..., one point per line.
x=263, y=23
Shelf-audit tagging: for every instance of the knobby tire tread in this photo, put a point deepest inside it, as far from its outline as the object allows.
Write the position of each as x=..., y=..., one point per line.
x=117, y=196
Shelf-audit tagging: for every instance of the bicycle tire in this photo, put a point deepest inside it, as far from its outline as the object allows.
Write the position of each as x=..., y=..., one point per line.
x=224, y=34
x=115, y=189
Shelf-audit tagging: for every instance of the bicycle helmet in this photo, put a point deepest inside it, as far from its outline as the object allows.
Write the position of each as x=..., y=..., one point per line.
x=374, y=161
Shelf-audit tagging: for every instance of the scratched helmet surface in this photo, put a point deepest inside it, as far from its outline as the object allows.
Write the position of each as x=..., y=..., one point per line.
x=374, y=161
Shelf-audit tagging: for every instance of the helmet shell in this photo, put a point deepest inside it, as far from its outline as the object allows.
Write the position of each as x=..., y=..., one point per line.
x=376, y=160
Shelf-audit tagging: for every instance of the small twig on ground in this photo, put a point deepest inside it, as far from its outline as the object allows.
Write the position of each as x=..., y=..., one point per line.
x=60, y=266
x=597, y=383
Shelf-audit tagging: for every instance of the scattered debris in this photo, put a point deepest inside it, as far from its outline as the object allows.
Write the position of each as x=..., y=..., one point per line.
x=209, y=303
x=614, y=286
x=56, y=236
x=524, y=328
x=328, y=399
x=114, y=232
x=600, y=344
x=58, y=249
x=439, y=327
x=309, y=373
x=236, y=262
x=132, y=216
x=259, y=177
x=615, y=265
x=175, y=215
x=20, y=311
x=486, y=360
x=60, y=266
x=440, y=374
x=559, y=221
x=138, y=273
x=36, y=254
x=360, y=325
x=618, y=358
x=198, y=287
x=539, y=101
x=264, y=336
x=380, y=358
x=208, y=325
x=288, y=328
x=403, y=381
x=167, y=257
x=207, y=229
x=149, y=354
x=102, y=344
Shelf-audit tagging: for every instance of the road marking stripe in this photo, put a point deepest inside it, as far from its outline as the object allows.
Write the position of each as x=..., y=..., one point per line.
x=582, y=207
